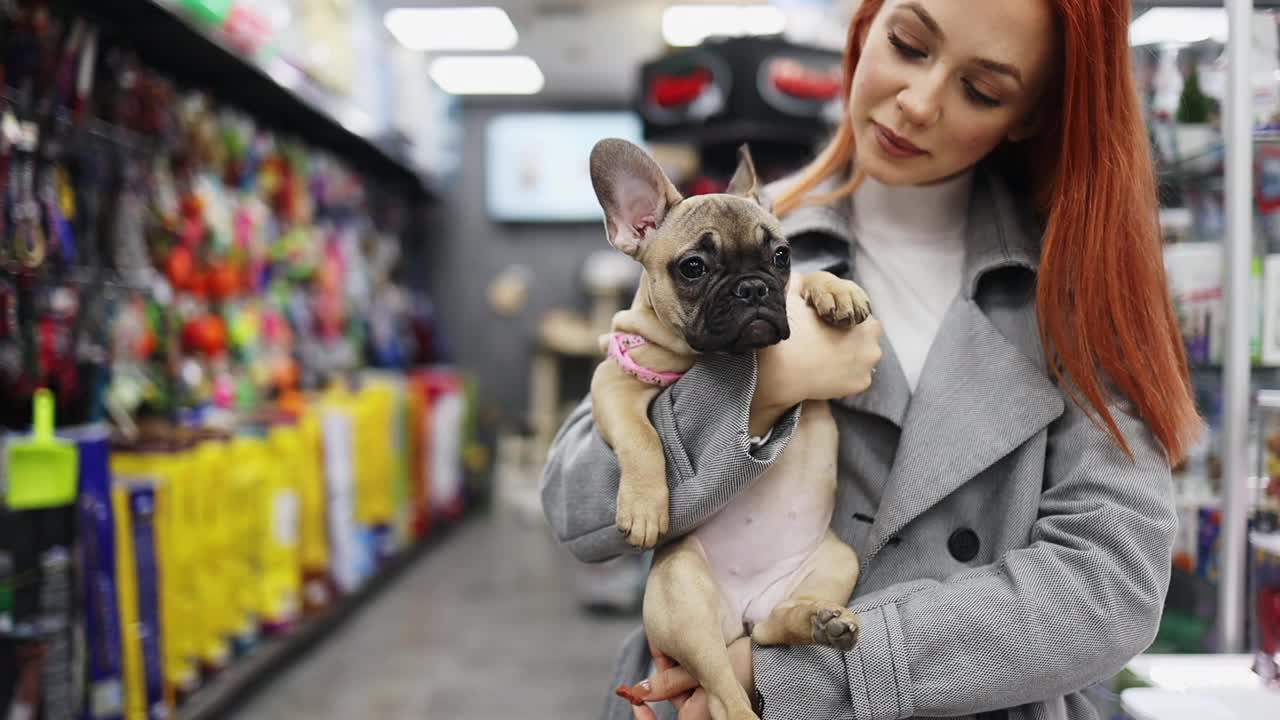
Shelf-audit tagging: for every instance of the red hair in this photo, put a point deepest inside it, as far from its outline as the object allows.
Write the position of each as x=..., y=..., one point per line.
x=1102, y=301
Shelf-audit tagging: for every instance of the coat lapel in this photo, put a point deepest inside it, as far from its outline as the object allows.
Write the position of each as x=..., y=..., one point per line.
x=978, y=399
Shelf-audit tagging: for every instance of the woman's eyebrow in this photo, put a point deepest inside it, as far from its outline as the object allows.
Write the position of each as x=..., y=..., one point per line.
x=1002, y=68
x=925, y=18
x=984, y=63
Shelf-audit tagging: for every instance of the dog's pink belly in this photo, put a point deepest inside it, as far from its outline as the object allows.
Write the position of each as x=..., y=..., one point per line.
x=759, y=546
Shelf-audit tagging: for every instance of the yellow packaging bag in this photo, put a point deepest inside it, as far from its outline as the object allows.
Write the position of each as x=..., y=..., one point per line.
x=313, y=541
x=313, y=536
x=183, y=568
x=280, y=551
x=381, y=398
x=177, y=573
x=213, y=582
x=246, y=522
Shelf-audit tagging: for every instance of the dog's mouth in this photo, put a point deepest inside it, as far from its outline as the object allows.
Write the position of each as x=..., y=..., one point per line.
x=761, y=329
x=758, y=333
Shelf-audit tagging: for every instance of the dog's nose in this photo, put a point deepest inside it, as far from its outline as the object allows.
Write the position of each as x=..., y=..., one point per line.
x=751, y=290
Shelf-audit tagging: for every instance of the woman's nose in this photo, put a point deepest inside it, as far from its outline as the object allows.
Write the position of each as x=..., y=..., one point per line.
x=921, y=102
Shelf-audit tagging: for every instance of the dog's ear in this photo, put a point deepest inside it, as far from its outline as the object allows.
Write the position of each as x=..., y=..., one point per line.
x=745, y=183
x=633, y=191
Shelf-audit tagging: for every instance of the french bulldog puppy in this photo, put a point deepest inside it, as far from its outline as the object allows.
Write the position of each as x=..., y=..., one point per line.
x=716, y=270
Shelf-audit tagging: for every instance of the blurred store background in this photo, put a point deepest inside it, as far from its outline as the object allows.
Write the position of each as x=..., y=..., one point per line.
x=305, y=287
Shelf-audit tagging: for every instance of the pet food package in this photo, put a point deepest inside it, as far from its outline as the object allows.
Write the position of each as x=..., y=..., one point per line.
x=281, y=565
x=246, y=520
x=347, y=551
x=401, y=501
x=1270, y=335
x=180, y=567
x=313, y=537
x=446, y=405
x=1265, y=605
x=1195, y=275
x=419, y=432
x=1209, y=525
x=371, y=409
x=134, y=504
x=214, y=580
x=104, y=692
x=169, y=463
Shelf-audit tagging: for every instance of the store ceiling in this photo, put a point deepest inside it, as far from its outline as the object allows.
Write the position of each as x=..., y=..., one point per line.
x=589, y=50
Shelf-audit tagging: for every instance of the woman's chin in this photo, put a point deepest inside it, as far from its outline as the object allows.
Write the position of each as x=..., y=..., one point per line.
x=892, y=173
x=915, y=171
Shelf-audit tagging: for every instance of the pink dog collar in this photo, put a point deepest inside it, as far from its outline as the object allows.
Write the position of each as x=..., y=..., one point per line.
x=620, y=345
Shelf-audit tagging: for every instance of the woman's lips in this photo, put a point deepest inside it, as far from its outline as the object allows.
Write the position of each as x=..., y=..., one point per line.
x=895, y=145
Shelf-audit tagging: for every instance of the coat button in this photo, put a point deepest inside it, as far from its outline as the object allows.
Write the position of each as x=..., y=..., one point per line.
x=963, y=544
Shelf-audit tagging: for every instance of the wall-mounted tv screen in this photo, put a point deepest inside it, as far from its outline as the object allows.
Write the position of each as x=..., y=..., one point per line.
x=536, y=164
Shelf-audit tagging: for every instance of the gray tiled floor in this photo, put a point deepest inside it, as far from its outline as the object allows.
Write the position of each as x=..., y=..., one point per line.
x=485, y=626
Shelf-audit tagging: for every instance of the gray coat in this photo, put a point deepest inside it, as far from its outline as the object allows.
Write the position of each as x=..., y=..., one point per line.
x=1012, y=555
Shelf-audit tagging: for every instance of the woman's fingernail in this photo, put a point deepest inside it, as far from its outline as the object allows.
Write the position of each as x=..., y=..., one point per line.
x=645, y=688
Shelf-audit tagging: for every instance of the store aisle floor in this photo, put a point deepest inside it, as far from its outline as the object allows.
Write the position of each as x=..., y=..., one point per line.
x=484, y=626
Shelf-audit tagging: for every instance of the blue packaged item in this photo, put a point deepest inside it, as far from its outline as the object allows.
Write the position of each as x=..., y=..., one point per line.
x=1207, y=550
x=142, y=511
x=104, y=680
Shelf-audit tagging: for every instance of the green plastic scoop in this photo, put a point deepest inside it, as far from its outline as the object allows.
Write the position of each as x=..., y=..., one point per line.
x=43, y=469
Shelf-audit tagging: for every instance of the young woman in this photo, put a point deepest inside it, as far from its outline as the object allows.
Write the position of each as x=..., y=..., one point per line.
x=1005, y=479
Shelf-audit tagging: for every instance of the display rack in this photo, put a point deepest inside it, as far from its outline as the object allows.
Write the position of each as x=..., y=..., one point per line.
x=208, y=137
x=236, y=685
x=1231, y=370
x=163, y=37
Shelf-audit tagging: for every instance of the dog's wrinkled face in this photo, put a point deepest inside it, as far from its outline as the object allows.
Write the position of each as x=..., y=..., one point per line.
x=716, y=266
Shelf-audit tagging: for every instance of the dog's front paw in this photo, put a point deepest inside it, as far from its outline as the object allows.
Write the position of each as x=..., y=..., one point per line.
x=643, y=516
x=842, y=303
x=836, y=627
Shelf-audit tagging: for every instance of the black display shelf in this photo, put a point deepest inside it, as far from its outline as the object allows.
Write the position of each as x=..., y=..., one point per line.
x=179, y=48
x=724, y=92
x=235, y=685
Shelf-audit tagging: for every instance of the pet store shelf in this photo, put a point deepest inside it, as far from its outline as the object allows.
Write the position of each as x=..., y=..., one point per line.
x=193, y=56
x=235, y=685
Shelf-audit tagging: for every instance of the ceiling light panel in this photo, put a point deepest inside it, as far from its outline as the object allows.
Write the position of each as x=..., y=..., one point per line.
x=487, y=75
x=452, y=28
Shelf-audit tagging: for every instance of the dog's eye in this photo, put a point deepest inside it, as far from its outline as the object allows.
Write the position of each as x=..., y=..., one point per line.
x=693, y=268
x=782, y=258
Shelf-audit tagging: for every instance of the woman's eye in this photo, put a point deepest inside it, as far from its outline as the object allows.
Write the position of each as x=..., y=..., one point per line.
x=693, y=268
x=905, y=49
x=978, y=97
x=782, y=258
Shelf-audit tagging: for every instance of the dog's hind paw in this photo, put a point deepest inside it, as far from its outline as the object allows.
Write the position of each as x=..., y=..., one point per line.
x=836, y=627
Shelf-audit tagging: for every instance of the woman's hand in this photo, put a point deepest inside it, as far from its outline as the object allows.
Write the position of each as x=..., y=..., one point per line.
x=818, y=362
x=674, y=683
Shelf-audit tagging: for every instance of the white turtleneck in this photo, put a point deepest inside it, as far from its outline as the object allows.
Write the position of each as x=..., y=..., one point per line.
x=910, y=259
